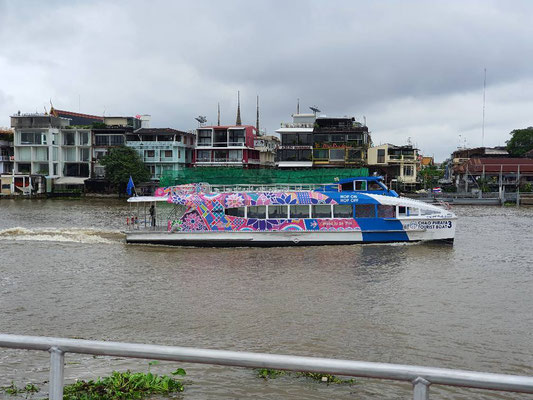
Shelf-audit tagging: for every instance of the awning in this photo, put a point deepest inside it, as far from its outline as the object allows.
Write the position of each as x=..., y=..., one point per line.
x=69, y=180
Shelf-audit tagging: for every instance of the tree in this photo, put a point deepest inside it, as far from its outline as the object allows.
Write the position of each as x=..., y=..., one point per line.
x=121, y=163
x=521, y=141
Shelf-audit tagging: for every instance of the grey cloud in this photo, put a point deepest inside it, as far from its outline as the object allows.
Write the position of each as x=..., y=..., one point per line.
x=176, y=60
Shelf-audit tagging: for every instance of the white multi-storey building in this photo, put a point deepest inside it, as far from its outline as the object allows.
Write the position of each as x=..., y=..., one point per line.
x=46, y=145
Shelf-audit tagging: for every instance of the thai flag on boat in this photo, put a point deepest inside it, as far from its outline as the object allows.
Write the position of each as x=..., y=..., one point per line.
x=130, y=186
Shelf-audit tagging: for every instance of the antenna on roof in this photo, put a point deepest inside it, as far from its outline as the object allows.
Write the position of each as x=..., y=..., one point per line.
x=201, y=120
x=218, y=120
x=483, y=124
x=298, y=106
x=314, y=109
x=238, y=120
x=257, y=121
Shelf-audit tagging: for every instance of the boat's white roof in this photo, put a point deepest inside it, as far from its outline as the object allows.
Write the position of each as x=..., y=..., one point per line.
x=146, y=199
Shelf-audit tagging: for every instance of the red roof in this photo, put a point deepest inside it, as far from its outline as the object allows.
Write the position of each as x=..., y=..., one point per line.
x=497, y=164
x=58, y=113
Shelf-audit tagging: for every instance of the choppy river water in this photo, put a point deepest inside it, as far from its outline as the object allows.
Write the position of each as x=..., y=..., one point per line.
x=65, y=271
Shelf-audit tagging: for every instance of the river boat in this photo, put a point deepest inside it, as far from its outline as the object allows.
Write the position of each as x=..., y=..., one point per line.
x=355, y=210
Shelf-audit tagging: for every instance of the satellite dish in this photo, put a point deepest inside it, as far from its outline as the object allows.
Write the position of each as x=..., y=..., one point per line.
x=201, y=119
x=314, y=109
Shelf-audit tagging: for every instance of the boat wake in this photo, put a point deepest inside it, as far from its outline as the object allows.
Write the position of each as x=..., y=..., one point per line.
x=73, y=235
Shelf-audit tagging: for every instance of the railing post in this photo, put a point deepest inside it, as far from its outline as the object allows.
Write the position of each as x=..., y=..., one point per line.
x=421, y=389
x=57, y=364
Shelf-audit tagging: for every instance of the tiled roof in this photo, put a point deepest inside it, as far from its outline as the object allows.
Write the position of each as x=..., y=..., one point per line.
x=67, y=114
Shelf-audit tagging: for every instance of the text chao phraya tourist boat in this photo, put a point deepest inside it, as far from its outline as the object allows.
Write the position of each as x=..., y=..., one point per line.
x=356, y=210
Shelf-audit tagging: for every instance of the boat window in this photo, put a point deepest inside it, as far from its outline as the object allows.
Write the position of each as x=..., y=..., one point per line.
x=365, y=211
x=360, y=185
x=235, y=212
x=342, y=211
x=385, y=211
x=299, y=211
x=402, y=211
x=428, y=212
x=278, y=212
x=321, y=211
x=374, y=186
x=413, y=211
x=348, y=186
x=257, y=212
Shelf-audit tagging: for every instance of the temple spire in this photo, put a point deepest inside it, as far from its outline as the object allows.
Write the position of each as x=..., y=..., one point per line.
x=257, y=121
x=238, y=122
x=218, y=114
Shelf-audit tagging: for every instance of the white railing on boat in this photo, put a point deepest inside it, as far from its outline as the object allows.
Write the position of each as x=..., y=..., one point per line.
x=420, y=377
x=280, y=187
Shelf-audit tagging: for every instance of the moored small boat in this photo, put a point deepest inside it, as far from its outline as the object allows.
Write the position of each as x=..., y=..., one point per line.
x=358, y=210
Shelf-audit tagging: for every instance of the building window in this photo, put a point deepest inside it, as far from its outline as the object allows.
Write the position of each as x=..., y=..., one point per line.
x=236, y=137
x=336, y=154
x=320, y=154
x=289, y=139
x=84, y=138
x=381, y=156
x=116, y=140
x=354, y=155
x=69, y=139
x=204, y=137
x=80, y=170
x=204, y=155
x=408, y=170
x=32, y=138
x=149, y=153
x=84, y=154
x=101, y=140
x=24, y=168
x=168, y=153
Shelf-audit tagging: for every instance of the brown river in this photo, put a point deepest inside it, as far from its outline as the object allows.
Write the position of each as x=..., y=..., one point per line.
x=65, y=271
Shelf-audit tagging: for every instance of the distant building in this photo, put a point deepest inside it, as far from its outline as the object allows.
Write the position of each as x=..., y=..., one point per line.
x=6, y=151
x=162, y=149
x=398, y=163
x=296, y=148
x=48, y=146
x=339, y=142
x=267, y=146
x=226, y=146
x=426, y=161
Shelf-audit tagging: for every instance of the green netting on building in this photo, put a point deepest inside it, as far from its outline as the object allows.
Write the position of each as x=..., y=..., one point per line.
x=235, y=176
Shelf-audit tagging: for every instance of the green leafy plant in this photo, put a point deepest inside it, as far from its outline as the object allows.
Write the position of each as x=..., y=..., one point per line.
x=13, y=389
x=124, y=386
x=267, y=373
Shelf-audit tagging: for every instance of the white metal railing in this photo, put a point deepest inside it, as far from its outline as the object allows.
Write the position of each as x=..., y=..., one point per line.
x=420, y=377
x=264, y=188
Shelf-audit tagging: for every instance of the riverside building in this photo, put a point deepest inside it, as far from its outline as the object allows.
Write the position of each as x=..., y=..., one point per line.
x=47, y=146
x=296, y=148
x=339, y=142
x=226, y=146
x=162, y=149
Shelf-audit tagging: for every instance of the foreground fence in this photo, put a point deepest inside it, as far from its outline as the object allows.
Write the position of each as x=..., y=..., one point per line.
x=420, y=377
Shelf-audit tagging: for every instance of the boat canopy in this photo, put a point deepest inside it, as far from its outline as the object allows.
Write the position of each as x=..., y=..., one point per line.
x=146, y=199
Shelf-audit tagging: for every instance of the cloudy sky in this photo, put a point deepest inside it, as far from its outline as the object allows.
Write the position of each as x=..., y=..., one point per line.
x=414, y=69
